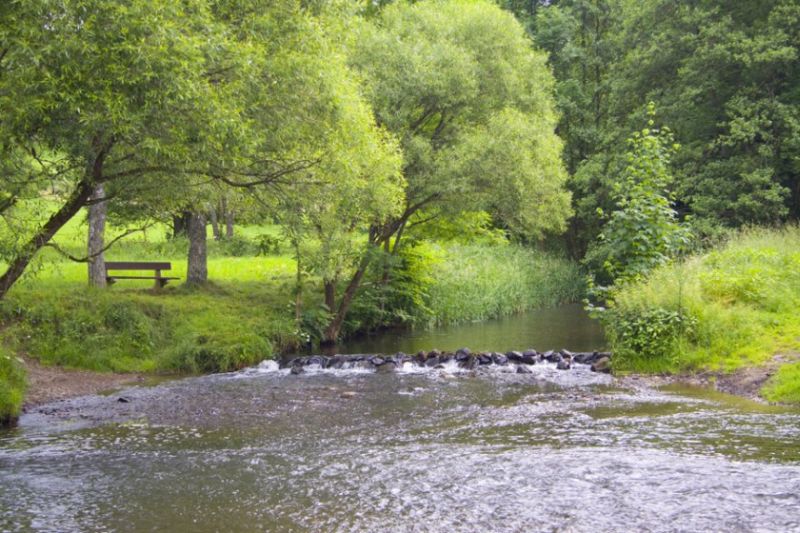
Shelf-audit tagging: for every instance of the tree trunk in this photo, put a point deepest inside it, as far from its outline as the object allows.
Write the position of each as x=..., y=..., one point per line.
x=17, y=266
x=335, y=326
x=228, y=224
x=214, y=218
x=96, y=242
x=330, y=294
x=197, y=271
x=180, y=224
x=298, y=285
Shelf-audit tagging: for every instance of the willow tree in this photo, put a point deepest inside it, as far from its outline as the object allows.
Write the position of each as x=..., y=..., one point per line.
x=447, y=78
x=470, y=102
x=346, y=176
x=356, y=188
x=98, y=93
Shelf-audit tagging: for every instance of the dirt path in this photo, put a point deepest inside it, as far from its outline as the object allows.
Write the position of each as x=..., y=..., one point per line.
x=52, y=383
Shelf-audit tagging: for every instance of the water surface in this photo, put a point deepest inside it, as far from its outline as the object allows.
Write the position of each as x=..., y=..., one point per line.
x=437, y=450
x=567, y=327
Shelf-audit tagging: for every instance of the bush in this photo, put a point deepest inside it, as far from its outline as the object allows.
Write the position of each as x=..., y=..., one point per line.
x=649, y=338
x=267, y=244
x=237, y=246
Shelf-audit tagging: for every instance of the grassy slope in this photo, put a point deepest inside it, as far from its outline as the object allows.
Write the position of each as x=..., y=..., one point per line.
x=743, y=299
x=128, y=327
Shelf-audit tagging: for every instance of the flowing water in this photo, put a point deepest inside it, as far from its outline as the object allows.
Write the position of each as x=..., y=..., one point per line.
x=417, y=450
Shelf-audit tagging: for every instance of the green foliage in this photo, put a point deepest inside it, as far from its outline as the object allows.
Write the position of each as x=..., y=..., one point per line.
x=725, y=76
x=732, y=307
x=12, y=387
x=467, y=283
x=132, y=331
x=238, y=246
x=470, y=227
x=458, y=83
x=642, y=232
x=477, y=283
x=267, y=244
x=649, y=338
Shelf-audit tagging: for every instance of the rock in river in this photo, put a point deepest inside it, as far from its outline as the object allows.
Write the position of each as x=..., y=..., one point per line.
x=602, y=365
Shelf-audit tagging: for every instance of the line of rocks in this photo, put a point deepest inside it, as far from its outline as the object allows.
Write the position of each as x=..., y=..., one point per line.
x=464, y=358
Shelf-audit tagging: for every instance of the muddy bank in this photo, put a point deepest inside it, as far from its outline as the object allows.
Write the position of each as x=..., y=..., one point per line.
x=745, y=382
x=51, y=383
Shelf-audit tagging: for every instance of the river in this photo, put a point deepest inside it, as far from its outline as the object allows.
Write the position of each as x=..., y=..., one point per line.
x=415, y=450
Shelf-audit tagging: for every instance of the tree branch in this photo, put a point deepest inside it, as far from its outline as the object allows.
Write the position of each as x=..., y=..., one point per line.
x=111, y=243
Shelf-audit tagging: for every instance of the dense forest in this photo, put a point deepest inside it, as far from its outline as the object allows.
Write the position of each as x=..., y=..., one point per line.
x=381, y=144
x=724, y=78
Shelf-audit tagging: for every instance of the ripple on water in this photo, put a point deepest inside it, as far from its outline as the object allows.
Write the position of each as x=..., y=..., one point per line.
x=418, y=451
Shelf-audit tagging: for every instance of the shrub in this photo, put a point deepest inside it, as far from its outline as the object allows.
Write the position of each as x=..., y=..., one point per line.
x=653, y=334
x=237, y=246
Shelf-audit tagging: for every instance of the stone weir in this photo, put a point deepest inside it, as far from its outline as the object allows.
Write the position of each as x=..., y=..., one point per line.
x=462, y=358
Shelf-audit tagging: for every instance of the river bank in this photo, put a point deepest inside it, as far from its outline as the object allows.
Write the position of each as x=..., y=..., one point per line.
x=745, y=382
x=720, y=315
x=246, y=312
x=48, y=384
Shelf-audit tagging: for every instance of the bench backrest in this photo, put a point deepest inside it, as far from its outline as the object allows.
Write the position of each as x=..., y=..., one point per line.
x=137, y=265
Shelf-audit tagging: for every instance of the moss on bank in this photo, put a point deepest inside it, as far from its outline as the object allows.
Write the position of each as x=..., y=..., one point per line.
x=730, y=308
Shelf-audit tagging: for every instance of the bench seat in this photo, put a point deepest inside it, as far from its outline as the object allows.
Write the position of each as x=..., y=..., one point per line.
x=155, y=267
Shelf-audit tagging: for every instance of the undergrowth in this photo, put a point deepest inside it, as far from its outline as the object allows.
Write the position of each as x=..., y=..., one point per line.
x=732, y=307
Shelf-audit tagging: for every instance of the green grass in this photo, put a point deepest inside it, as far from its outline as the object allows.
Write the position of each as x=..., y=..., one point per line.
x=12, y=387
x=738, y=305
x=240, y=318
x=785, y=385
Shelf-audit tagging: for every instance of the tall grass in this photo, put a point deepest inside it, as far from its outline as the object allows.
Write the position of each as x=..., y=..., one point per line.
x=739, y=303
x=463, y=283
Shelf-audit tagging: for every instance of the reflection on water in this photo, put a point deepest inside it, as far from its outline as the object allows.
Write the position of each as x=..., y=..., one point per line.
x=353, y=451
x=563, y=327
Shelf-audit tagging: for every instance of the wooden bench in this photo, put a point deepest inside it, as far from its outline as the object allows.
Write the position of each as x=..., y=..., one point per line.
x=139, y=265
